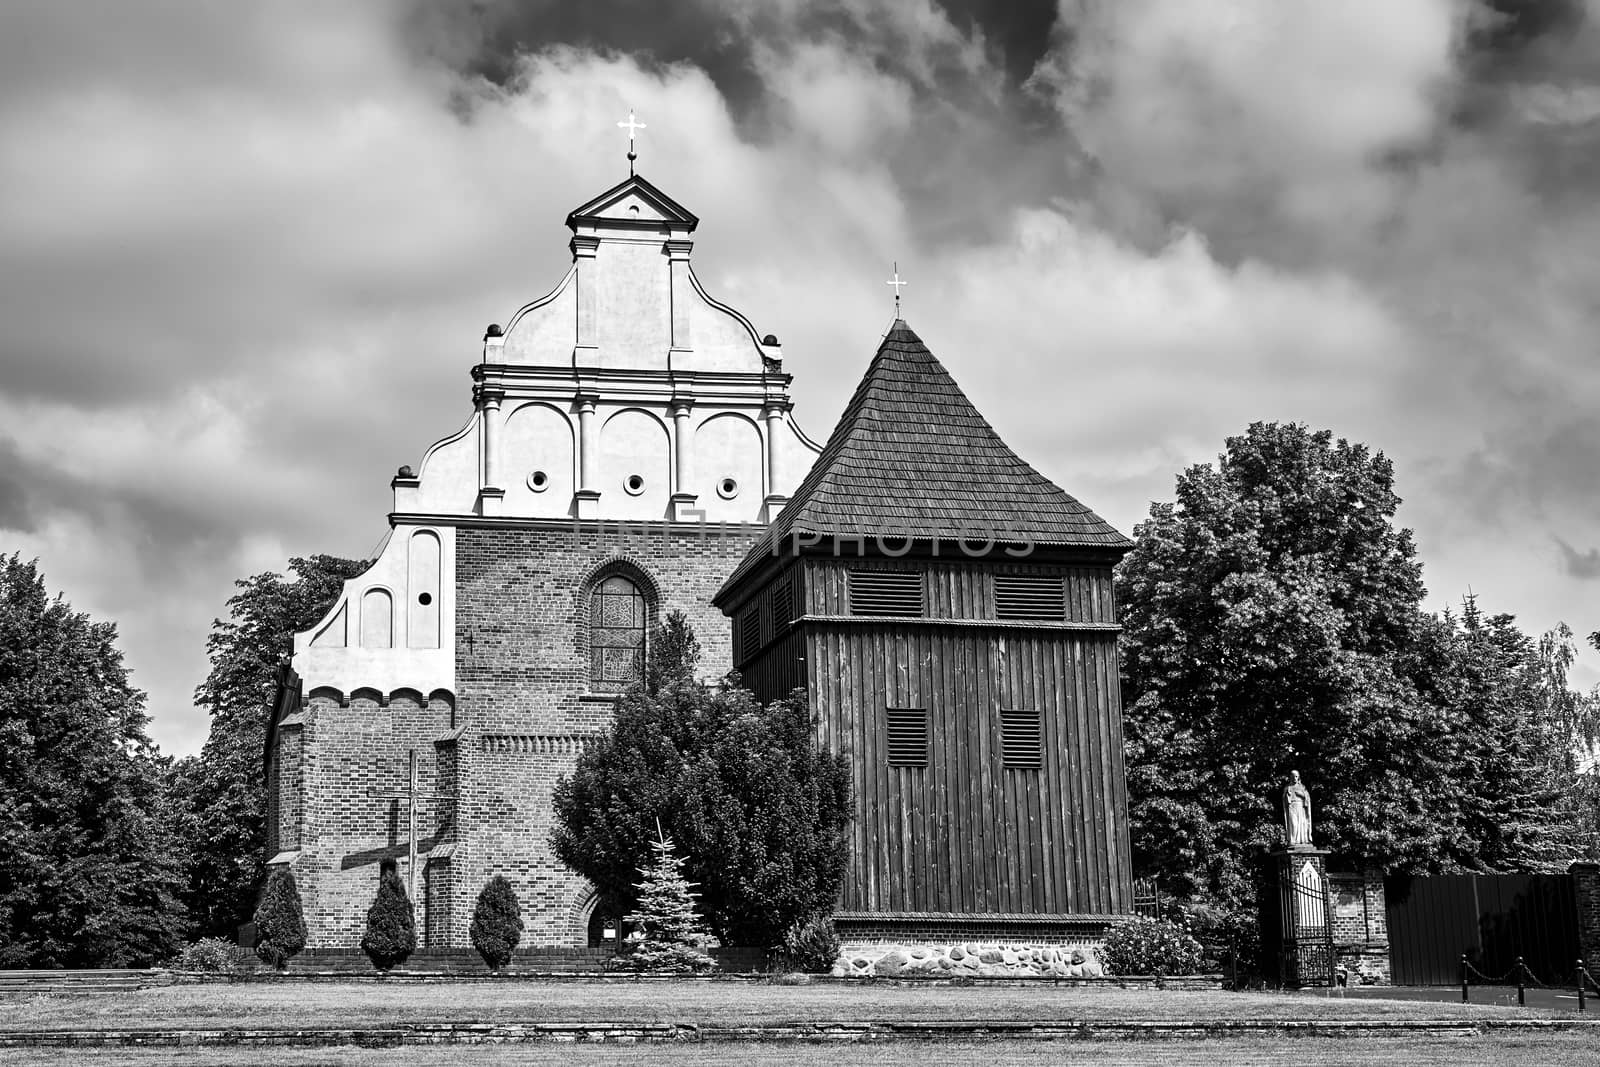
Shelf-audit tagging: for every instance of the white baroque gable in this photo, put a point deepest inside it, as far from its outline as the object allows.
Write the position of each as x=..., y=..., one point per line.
x=626, y=393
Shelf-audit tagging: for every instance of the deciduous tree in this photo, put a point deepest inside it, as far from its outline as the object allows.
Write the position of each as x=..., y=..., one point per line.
x=1273, y=622
x=220, y=794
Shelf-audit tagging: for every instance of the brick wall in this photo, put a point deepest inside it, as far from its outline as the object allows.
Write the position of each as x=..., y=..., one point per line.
x=352, y=750
x=1360, y=925
x=523, y=693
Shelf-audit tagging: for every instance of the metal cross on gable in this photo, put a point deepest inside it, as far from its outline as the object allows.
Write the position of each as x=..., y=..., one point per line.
x=898, y=283
x=411, y=794
x=632, y=126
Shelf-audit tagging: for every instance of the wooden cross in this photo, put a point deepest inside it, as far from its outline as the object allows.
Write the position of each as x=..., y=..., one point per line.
x=897, y=282
x=412, y=794
x=632, y=127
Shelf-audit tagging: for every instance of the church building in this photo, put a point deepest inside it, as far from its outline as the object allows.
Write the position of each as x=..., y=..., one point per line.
x=631, y=451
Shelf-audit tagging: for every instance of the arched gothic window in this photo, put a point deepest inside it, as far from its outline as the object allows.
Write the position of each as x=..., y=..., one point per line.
x=616, y=633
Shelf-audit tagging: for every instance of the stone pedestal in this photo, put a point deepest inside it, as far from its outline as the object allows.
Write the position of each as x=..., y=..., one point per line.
x=1306, y=955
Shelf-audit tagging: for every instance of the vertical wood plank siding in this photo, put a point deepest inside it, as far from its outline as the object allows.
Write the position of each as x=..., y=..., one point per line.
x=965, y=834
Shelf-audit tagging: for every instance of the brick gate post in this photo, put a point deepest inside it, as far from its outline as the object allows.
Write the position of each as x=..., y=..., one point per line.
x=1586, y=887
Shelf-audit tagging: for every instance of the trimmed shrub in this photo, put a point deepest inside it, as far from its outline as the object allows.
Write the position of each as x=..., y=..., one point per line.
x=1150, y=946
x=211, y=955
x=280, y=923
x=497, y=923
x=391, y=935
x=811, y=946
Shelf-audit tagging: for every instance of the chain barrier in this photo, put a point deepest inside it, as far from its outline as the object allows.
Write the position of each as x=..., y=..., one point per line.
x=1531, y=977
x=1485, y=979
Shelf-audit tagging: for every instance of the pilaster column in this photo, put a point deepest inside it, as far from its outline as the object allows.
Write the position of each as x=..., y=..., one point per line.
x=774, y=501
x=683, y=451
x=491, y=495
x=588, y=494
x=683, y=495
x=773, y=415
x=491, y=436
x=682, y=292
x=587, y=352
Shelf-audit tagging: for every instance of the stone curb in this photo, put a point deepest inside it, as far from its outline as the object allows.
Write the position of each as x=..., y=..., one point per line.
x=613, y=978
x=632, y=1033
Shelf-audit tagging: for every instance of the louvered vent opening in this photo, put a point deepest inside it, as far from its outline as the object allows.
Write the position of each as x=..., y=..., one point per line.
x=908, y=737
x=885, y=593
x=1019, y=739
x=783, y=602
x=749, y=633
x=1029, y=596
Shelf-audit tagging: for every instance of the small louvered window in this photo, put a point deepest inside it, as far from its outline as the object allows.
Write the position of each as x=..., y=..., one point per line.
x=1019, y=739
x=907, y=730
x=1029, y=596
x=749, y=632
x=783, y=603
x=885, y=593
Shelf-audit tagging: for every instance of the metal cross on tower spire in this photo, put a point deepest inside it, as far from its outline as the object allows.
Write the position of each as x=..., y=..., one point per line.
x=632, y=127
x=898, y=283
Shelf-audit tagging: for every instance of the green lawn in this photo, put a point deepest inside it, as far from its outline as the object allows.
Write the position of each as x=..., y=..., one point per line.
x=357, y=1004
x=1556, y=1050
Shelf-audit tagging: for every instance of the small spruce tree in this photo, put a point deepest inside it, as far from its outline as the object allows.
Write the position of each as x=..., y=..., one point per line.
x=497, y=922
x=280, y=922
x=667, y=934
x=391, y=929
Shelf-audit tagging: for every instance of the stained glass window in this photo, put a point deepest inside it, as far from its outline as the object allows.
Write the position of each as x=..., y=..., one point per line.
x=616, y=633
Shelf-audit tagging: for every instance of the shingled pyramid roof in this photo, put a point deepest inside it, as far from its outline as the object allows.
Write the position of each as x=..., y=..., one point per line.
x=912, y=456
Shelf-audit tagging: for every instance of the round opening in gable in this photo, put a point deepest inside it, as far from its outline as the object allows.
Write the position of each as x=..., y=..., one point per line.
x=538, y=481
x=634, y=485
x=728, y=488
x=424, y=599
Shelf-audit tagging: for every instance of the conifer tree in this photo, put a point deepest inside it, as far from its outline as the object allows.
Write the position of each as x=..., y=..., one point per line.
x=87, y=874
x=667, y=934
x=760, y=810
x=280, y=921
x=391, y=935
x=497, y=922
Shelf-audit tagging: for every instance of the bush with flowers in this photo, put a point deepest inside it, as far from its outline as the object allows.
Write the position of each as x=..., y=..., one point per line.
x=1150, y=946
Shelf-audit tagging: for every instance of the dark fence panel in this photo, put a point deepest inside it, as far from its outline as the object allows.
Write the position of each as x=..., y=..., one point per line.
x=1489, y=918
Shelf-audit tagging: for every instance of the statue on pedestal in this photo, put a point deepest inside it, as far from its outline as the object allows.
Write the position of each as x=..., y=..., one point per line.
x=1296, y=812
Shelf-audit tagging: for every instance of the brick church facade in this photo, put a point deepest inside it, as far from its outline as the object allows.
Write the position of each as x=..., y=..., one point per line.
x=631, y=444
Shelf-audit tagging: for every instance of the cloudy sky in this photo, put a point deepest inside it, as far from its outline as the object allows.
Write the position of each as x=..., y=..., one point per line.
x=247, y=252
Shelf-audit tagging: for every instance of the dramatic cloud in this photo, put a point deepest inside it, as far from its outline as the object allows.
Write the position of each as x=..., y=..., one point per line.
x=1581, y=565
x=248, y=252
